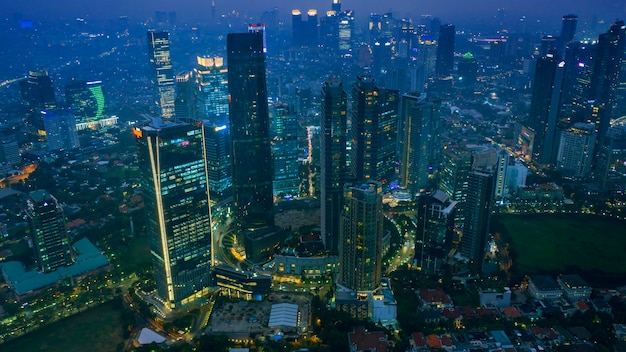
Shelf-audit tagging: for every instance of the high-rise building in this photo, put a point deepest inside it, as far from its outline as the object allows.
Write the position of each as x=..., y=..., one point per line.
x=424, y=64
x=610, y=169
x=418, y=119
x=86, y=99
x=60, y=127
x=361, y=238
x=10, y=151
x=249, y=123
x=285, y=151
x=374, y=130
x=435, y=221
x=568, y=30
x=218, y=159
x=502, y=169
x=304, y=32
x=345, y=34
x=467, y=71
x=163, y=77
x=47, y=228
x=37, y=93
x=336, y=6
x=577, y=81
x=212, y=89
x=544, y=107
x=333, y=123
x=606, y=69
x=329, y=31
x=477, y=218
x=174, y=180
x=445, y=50
x=576, y=150
x=453, y=179
x=185, y=103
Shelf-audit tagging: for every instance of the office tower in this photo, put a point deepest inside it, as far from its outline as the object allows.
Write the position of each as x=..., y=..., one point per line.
x=606, y=68
x=610, y=171
x=374, y=27
x=37, y=93
x=435, y=223
x=406, y=38
x=345, y=34
x=163, y=73
x=502, y=169
x=304, y=32
x=374, y=130
x=549, y=45
x=329, y=31
x=445, y=51
x=382, y=55
x=467, y=71
x=86, y=99
x=218, y=159
x=285, y=151
x=568, y=30
x=60, y=127
x=47, y=228
x=361, y=238
x=516, y=176
x=576, y=150
x=10, y=151
x=577, y=81
x=456, y=165
x=424, y=64
x=185, y=103
x=336, y=6
x=477, y=218
x=544, y=108
x=249, y=123
x=212, y=89
x=418, y=117
x=173, y=174
x=333, y=123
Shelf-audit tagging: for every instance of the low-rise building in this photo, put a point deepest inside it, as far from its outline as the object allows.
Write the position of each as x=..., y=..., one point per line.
x=360, y=340
x=493, y=298
x=574, y=287
x=544, y=287
x=435, y=299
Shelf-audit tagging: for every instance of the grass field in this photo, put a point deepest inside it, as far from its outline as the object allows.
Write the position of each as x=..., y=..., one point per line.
x=96, y=330
x=554, y=243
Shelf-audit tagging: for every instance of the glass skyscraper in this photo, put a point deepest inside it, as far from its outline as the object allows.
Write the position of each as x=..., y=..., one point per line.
x=175, y=187
x=47, y=227
x=249, y=129
x=159, y=54
x=212, y=89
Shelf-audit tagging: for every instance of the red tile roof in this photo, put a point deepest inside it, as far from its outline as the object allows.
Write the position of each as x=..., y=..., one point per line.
x=374, y=341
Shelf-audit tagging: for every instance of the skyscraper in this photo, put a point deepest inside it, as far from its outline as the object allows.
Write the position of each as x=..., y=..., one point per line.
x=285, y=151
x=568, y=30
x=212, y=89
x=374, y=130
x=47, y=228
x=610, y=169
x=218, y=158
x=544, y=107
x=304, y=32
x=435, y=223
x=60, y=127
x=418, y=118
x=86, y=99
x=477, y=218
x=606, y=68
x=576, y=150
x=445, y=50
x=249, y=124
x=185, y=103
x=163, y=78
x=37, y=93
x=333, y=160
x=174, y=180
x=361, y=238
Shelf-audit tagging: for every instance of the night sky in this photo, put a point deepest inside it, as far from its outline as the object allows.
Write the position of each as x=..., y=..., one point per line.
x=447, y=10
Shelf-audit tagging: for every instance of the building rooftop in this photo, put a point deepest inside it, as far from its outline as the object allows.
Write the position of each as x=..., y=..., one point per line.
x=573, y=281
x=284, y=315
x=545, y=283
x=362, y=340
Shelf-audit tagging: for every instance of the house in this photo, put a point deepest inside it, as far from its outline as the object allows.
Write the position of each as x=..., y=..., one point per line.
x=361, y=340
x=435, y=299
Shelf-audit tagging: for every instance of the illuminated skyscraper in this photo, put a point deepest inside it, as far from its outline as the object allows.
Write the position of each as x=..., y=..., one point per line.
x=576, y=150
x=47, y=228
x=249, y=123
x=435, y=223
x=374, y=130
x=445, y=50
x=361, y=231
x=212, y=89
x=163, y=78
x=285, y=151
x=174, y=180
x=333, y=159
x=218, y=158
x=86, y=99
x=304, y=32
x=345, y=31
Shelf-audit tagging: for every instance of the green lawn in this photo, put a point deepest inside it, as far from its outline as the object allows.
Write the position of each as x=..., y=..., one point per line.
x=553, y=243
x=96, y=330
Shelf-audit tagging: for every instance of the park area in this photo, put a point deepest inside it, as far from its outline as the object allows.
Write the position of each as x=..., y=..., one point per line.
x=564, y=243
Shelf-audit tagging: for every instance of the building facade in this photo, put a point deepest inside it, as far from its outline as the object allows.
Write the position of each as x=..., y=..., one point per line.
x=163, y=75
